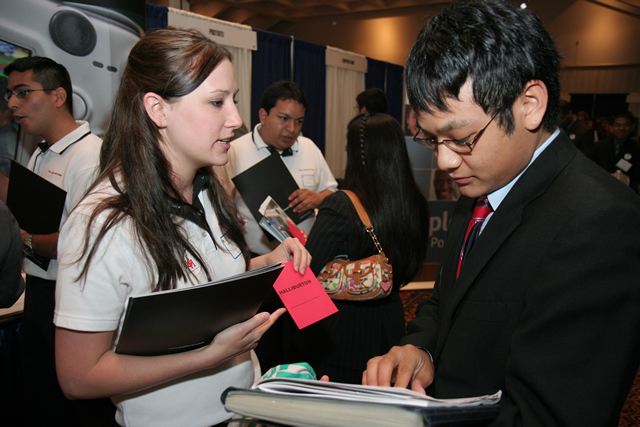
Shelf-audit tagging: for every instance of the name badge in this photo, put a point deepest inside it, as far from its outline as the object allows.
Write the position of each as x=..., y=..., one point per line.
x=231, y=247
x=308, y=181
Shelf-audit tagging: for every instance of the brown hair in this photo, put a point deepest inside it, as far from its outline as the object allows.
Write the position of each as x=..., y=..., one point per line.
x=171, y=63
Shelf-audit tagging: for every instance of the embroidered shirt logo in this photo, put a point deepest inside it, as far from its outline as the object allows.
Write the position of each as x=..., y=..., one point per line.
x=191, y=264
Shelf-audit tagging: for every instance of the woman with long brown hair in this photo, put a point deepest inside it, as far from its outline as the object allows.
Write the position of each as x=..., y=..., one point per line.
x=157, y=219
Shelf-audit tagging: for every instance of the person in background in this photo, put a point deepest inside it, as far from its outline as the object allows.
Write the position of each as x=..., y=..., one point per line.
x=620, y=153
x=11, y=282
x=39, y=94
x=378, y=172
x=156, y=219
x=545, y=305
x=444, y=186
x=8, y=133
x=372, y=100
x=602, y=128
x=282, y=110
x=411, y=122
x=579, y=132
x=583, y=116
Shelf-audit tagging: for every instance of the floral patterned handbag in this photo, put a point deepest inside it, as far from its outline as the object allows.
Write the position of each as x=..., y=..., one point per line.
x=365, y=279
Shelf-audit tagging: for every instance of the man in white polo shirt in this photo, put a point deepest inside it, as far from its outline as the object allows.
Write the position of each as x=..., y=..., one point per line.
x=39, y=96
x=282, y=110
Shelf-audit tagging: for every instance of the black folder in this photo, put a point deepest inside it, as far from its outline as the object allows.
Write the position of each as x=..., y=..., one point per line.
x=269, y=177
x=36, y=204
x=184, y=319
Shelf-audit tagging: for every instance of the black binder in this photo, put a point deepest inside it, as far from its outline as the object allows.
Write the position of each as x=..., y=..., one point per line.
x=269, y=177
x=184, y=319
x=36, y=204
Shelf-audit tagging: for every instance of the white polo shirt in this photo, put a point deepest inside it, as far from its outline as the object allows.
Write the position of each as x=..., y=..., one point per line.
x=307, y=166
x=119, y=270
x=71, y=164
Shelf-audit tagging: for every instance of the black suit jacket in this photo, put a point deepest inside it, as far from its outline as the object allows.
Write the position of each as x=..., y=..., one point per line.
x=547, y=305
x=604, y=154
x=582, y=136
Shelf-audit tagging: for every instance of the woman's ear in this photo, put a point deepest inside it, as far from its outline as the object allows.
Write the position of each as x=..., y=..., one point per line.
x=534, y=103
x=155, y=107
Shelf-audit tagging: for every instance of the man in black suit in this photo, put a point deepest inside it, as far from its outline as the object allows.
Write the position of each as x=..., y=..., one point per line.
x=579, y=132
x=620, y=153
x=546, y=304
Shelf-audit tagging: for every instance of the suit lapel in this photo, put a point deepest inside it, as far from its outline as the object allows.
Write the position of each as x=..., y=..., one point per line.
x=531, y=185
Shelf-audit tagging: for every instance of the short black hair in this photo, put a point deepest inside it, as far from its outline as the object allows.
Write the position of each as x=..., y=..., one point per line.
x=283, y=90
x=493, y=44
x=565, y=107
x=626, y=114
x=374, y=99
x=47, y=72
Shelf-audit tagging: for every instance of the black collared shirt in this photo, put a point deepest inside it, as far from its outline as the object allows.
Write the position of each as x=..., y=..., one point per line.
x=195, y=211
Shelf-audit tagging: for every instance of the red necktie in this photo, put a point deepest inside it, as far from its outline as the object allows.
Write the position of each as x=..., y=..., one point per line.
x=480, y=213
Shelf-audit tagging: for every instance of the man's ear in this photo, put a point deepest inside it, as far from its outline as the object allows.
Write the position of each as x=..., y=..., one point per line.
x=535, y=98
x=155, y=107
x=60, y=96
x=263, y=115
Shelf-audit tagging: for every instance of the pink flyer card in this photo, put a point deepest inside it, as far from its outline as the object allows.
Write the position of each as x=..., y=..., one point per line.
x=295, y=232
x=303, y=296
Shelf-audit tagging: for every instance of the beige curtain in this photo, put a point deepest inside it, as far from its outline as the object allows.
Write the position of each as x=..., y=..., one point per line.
x=342, y=88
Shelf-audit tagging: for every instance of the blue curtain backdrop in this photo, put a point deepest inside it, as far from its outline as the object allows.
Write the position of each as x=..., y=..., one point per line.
x=387, y=77
x=310, y=73
x=272, y=63
x=376, y=74
x=156, y=16
x=395, y=90
x=269, y=64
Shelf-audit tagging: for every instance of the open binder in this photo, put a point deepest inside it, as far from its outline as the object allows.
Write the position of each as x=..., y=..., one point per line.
x=310, y=403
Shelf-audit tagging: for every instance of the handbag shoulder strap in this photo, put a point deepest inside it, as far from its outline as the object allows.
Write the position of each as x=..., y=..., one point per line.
x=359, y=208
x=364, y=218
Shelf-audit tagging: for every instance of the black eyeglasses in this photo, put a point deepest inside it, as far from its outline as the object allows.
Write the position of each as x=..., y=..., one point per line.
x=21, y=93
x=457, y=145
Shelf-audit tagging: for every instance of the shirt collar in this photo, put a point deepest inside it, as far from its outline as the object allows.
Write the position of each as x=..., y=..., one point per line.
x=261, y=145
x=72, y=137
x=498, y=196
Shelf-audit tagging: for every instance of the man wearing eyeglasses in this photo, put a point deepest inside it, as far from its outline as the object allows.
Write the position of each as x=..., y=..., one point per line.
x=538, y=293
x=39, y=94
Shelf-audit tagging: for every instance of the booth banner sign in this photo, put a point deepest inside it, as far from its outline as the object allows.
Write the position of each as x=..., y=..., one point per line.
x=343, y=59
x=222, y=32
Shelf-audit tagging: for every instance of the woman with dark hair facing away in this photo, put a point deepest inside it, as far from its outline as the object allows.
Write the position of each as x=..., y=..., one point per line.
x=379, y=173
x=156, y=219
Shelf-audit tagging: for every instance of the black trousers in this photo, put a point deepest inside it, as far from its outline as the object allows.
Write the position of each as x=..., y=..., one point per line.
x=43, y=400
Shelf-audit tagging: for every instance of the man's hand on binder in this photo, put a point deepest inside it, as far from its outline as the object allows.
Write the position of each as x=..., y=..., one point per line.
x=402, y=366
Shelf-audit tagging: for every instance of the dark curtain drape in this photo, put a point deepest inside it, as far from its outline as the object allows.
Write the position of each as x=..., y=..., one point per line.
x=156, y=17
x=310, y=73
x=388, y=77
x=376, y=74
x=269, y=64
x=395, y=90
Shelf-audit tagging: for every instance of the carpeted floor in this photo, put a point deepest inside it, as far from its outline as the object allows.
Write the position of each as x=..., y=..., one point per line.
x=630, y=415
